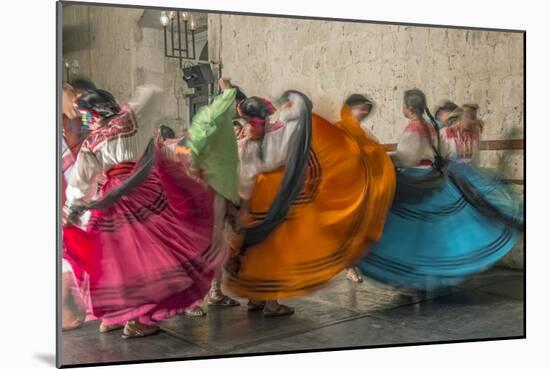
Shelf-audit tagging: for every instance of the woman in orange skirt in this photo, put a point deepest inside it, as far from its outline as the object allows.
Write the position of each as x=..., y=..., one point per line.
x=315, y=197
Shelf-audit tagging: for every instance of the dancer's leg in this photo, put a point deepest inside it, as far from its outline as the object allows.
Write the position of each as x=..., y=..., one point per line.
x=71, y=317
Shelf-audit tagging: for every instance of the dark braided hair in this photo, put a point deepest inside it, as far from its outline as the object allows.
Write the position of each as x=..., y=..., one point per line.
x=99, y=101
x=415, y=100
x=240, y=94
x=294, y=176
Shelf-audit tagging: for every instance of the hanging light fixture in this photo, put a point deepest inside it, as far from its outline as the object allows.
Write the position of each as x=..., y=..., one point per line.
x=179, y=36
x=164, y=19
x=179, y=43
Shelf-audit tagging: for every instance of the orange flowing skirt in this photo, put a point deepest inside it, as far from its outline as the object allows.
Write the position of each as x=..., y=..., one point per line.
x=340, y=211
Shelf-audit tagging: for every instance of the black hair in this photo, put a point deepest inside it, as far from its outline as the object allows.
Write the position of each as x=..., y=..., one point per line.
x=167, y=132
x=82, y=84
x=415, y=100
x=240, y=94
x=446, y=105
x=293, y=179
x=255, y=107
x=356, y=99
x=99, y=101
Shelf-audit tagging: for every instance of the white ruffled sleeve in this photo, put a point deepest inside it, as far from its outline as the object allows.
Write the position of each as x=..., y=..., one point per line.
x=82, y=184
x=275, y=145
x=250, y=166
x=409, y=151
x=146, y=106
x=273, y=155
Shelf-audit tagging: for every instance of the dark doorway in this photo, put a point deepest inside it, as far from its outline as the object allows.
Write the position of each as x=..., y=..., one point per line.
x=198, y=100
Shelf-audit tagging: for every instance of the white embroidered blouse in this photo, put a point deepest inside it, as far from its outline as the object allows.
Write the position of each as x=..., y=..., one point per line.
x=274, y=149
x=460, y=145
x=414, y=148
x=123, y=139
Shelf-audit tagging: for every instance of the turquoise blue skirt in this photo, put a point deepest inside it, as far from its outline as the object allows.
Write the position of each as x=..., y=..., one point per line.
x=446, y=236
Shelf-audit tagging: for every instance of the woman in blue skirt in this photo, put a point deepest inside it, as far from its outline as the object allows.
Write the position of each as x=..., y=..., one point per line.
x=448, y=220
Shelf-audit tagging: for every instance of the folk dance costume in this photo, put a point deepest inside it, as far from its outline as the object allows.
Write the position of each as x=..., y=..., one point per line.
x=211, y=149
x=461, y=147
x=147, y=247
x=68, y=159
x=76, y=304
x=358, y=108
x=317, y=197
x=445, y=223
x=380, y=174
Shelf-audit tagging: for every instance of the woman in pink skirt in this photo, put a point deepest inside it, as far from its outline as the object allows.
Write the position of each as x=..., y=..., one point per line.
x=147, y=248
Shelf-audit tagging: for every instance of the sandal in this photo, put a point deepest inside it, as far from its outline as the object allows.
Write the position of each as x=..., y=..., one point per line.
x=195, y=312
x=134, y=329
x=224, y=301
x=281, y=310
x=254, y=305
x=104, y=328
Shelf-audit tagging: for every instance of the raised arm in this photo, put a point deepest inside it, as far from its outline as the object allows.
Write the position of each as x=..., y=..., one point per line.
x=145, y=105
x=208, y=118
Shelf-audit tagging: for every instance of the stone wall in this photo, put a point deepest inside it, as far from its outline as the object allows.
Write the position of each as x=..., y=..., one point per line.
x=119, y=55
x=329, y=60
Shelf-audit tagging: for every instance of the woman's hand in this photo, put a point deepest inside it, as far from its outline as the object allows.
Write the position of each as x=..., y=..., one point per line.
x=233, y=263
x=68, y=96
x=65, y=222
x=70, y=217
x=224, y=83
x=232, y=215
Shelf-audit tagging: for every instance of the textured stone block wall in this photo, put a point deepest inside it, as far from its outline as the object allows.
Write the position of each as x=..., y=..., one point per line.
x=329, y=60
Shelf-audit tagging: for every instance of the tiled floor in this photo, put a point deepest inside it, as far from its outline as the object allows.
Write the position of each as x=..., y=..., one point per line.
x=342, y=314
